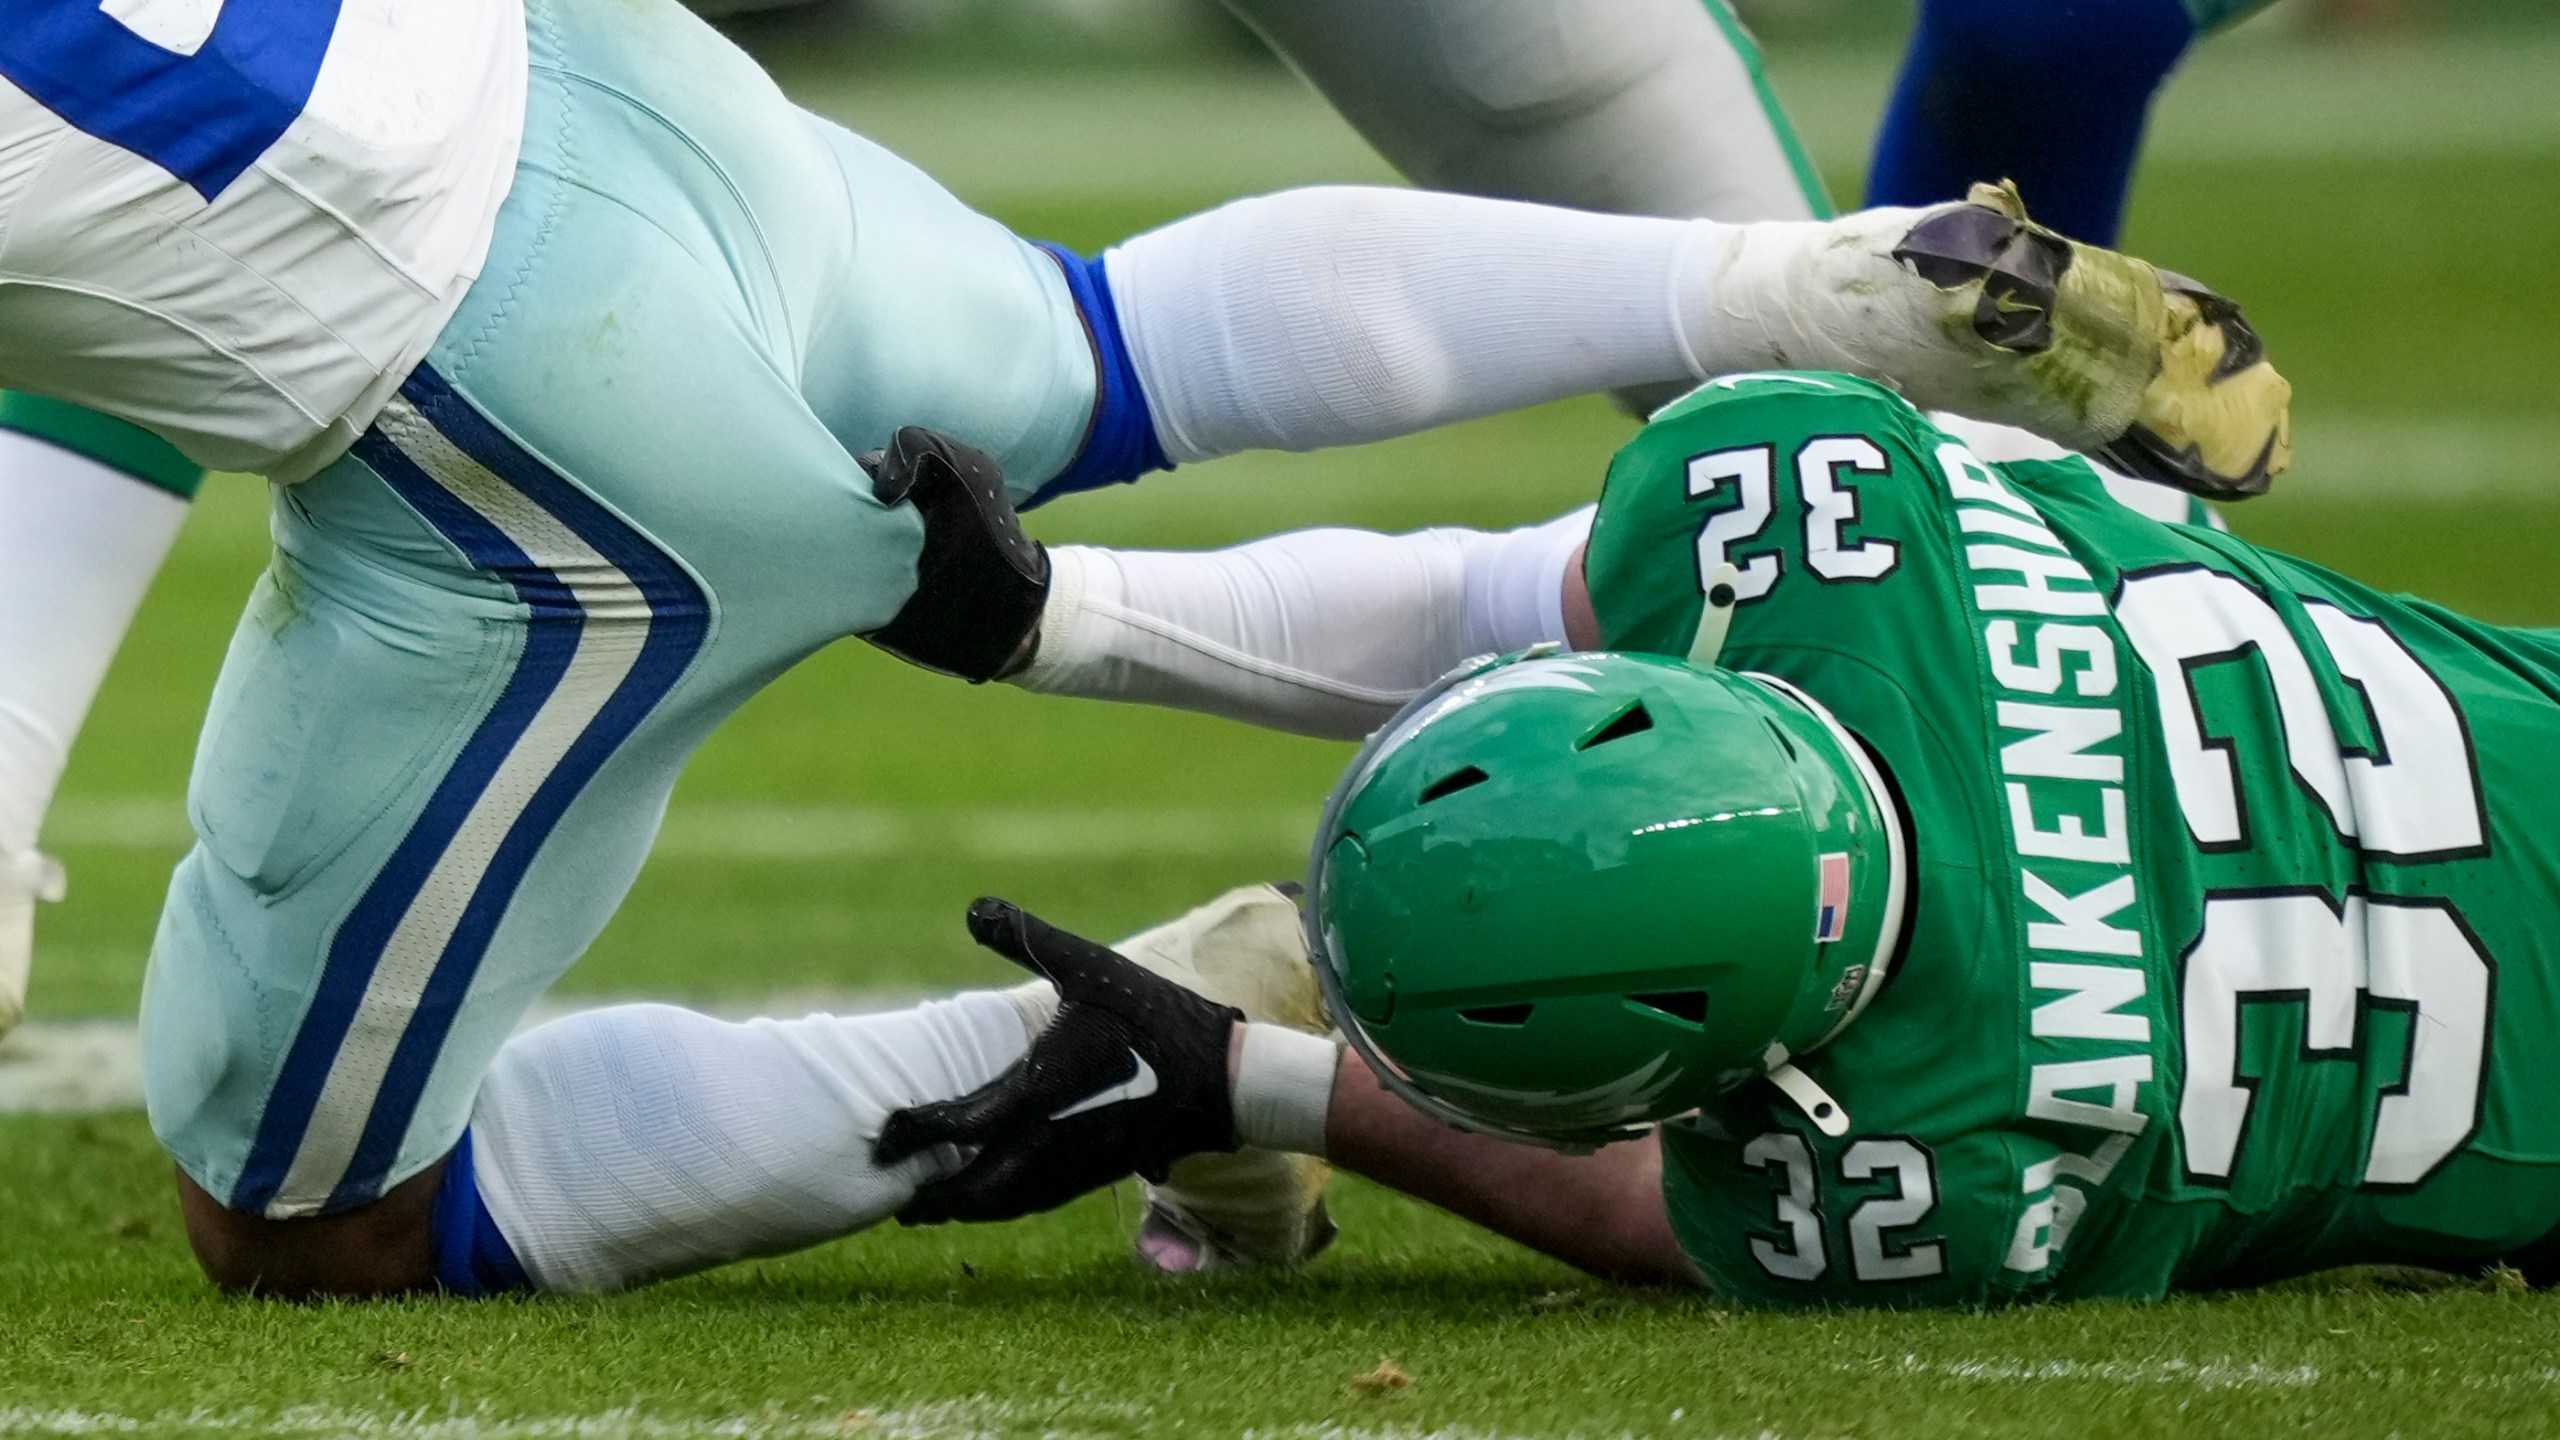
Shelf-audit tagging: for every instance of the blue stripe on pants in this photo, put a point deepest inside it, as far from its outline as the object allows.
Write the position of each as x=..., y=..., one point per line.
x=679, y=621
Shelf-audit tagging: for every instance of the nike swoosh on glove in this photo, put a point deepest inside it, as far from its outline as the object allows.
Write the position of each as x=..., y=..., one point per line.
x=980, y=582
x=1130, y=1077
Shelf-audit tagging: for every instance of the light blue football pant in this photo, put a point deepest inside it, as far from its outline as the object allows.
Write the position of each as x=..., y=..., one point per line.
x=618, y=498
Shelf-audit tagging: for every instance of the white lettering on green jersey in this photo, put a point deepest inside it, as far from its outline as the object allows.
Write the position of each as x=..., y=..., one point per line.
x=2233, y=949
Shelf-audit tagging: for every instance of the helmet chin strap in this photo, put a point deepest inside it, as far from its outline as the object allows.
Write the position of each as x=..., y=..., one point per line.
x=1715, y=621
x=1827, y=1114
x=1717, y=617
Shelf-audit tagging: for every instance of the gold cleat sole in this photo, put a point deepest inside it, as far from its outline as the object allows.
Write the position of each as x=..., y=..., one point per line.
x=2217, y=418
x=2161, y=376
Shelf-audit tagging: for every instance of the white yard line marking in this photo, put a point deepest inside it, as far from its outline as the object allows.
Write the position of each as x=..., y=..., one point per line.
x=71, y=1067
x=2425, y=459
x=2198, y=1374
x=949, y=1420
x=2203, y=1375
x=826, y=832
x=971, y=1419
x=1325, y=1431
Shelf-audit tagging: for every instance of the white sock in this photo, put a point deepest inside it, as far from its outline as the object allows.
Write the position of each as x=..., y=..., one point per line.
x=639, y=1142
x=79, y=544
x=1828, y=295
x=1336, y=315
x=1320, y=632
x=1339, y=315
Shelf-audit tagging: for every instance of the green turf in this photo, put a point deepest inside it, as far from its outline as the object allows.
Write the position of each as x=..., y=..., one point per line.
x=1043, y=1329
x=830, y=837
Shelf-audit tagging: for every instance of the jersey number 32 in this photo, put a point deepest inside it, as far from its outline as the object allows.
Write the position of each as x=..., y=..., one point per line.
x=2412, y=797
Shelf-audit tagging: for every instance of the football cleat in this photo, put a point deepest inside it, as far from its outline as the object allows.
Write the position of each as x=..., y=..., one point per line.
x=2152, y=371
x=2206, y=417
x=25, y=879
x=1973, y=308
x=1269, y=1206
x=1247, y=1207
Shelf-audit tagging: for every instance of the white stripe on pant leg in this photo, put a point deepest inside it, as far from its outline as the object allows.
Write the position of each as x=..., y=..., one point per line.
x=617, y=626
x=601, y=588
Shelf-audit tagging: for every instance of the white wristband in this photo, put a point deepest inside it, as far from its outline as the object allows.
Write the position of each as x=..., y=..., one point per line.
x=1284, y=1087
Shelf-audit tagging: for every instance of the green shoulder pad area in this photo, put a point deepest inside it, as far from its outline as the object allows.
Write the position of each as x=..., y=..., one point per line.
x=109, y=441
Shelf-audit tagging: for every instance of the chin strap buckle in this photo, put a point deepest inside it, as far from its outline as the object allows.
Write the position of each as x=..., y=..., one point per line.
x=1828, y=1115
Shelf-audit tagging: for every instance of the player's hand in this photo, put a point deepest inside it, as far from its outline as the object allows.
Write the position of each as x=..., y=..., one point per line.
x=981, y=582
x=1130, y=1076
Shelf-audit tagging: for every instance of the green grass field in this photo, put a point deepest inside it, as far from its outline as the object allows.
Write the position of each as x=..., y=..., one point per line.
x=2386, y=215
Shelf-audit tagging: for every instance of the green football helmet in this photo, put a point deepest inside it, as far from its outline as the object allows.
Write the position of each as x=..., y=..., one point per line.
x=1562, y=897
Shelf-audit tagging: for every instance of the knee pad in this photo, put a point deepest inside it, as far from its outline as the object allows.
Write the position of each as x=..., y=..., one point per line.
x=1521, y=63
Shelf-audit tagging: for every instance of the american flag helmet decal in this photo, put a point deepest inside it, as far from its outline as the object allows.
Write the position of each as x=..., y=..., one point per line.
x=1831, y=913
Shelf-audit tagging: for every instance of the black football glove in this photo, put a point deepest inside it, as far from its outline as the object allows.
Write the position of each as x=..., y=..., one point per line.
x=1130, y=1076
x=981, y=582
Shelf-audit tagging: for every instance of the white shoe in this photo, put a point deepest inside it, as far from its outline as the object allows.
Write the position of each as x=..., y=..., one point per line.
x=25, y=879
x=1972, y=307
x=1247, y=948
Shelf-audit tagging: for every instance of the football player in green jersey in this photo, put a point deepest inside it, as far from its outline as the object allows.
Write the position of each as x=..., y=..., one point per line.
x=1952, y=886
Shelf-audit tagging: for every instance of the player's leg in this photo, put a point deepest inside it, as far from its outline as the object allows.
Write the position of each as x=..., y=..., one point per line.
x=1333, y=316
x=2052, y=96
x=1340, y=315
x=600, y=516
x=88, y=509
x=633, y=1143
x=630, y=1144
x=474, y=636
x=1644, y=107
